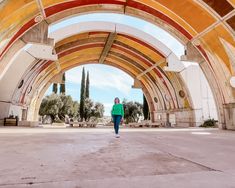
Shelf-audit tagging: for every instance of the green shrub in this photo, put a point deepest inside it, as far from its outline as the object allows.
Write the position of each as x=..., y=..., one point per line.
x=209, y=123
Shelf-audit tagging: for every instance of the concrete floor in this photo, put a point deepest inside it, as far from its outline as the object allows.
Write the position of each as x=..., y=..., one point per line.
x=93, y=158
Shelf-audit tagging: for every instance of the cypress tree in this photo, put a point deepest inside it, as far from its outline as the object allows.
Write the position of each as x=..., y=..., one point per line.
x=82, y=95
x=87, y=85
x=62, y=86
x=145, y=108
x=55, y=88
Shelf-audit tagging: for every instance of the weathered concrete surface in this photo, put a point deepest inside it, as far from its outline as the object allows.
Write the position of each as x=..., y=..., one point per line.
x=229, y=110
x=62, y=157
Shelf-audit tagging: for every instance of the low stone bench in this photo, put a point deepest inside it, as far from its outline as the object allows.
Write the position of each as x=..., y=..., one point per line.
x=135, y=125
x=154, y=125
x=91, y=124
x=144, y=124
x=11, y=121
x=83, y=124
x=109, y=124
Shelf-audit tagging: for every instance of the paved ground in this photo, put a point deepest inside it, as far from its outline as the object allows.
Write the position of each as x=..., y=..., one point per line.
x=141, y=158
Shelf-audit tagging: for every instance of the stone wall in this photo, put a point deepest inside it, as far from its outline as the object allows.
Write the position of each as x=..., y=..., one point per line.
x=175, y=118
x=4, y=109
x=7, y=109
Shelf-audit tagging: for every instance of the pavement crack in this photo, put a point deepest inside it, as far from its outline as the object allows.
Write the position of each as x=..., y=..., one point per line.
x=196, y=163
x=31, y=182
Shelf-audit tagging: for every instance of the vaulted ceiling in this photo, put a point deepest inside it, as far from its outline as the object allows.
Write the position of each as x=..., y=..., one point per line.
x=209, y=25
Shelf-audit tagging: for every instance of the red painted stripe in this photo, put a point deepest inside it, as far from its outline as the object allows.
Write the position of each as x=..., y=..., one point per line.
x=71, y=4
x=98, y=32
x=203, y=53
x=164, y=82
x=143, y=43
x=68, y=5
x=160, y=15
x=67, y=52
x=115, y=46
x=146, y=62
x=133, y=39
x=22, y=30
x=28, y=78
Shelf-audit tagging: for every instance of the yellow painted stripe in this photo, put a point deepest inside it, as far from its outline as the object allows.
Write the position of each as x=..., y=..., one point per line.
x=83, y=54
x=186, y=13
x=47, y=3
x=145, y=50
x=9, y=7
x=212, y=42
x=232, y=2
x=17, y=19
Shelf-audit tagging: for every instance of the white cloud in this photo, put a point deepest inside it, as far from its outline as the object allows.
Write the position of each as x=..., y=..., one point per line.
x=108, y=105
x=108, y=108
x=102, y=77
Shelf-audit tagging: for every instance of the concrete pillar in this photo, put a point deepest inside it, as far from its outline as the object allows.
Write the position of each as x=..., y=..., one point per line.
x=192, y=54
x=24, y=114
x=40, y=47
x=229, y=111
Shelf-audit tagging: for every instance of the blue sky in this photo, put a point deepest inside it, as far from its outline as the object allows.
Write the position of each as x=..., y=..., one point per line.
x=106, y=83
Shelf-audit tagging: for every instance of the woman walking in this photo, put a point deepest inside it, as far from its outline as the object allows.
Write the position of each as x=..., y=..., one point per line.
x=117, y=115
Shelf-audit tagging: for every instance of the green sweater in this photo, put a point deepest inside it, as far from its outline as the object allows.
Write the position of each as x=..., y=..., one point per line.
x=117, y=110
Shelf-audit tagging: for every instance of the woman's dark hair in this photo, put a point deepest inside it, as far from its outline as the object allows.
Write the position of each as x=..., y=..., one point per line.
x=116, y=98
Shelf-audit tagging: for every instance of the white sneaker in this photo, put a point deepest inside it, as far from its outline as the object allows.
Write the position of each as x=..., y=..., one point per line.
x=117, y=136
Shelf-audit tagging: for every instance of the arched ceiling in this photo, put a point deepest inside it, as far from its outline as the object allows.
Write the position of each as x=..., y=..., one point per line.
x=127, y=53
x=206, y=24
x=209, y=24
x=204, y=19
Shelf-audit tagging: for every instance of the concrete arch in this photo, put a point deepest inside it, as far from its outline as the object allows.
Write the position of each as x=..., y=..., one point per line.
x=149, y=99
x=102, y=26
x=188, y=29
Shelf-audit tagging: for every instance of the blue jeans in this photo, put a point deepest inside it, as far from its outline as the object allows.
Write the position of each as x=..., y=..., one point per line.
x=116, y=122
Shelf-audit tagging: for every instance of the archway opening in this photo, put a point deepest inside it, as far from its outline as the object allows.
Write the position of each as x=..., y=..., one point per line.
x=105, y=82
